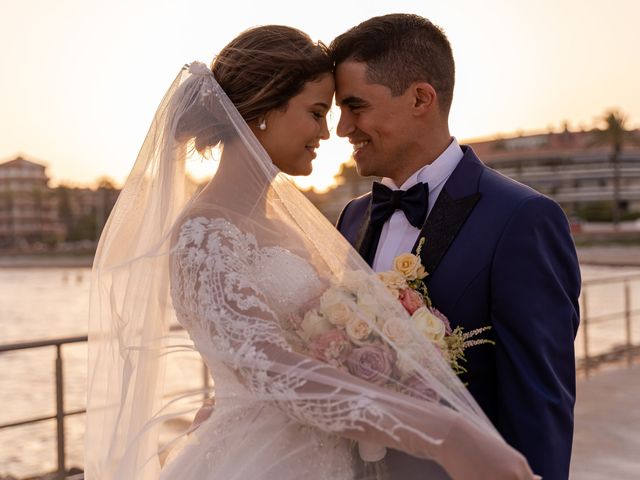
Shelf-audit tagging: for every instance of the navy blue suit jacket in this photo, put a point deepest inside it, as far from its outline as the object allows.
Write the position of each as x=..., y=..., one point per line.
x=501, y=254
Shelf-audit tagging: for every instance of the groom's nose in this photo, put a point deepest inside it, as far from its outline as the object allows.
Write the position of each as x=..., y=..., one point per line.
x=346, y=125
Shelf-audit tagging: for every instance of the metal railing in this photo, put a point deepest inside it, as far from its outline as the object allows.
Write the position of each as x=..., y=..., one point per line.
x=626, y=351
x=61, y=413
x=586, y=363
x=59, y=401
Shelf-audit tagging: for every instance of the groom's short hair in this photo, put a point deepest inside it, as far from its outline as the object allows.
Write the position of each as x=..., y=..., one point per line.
x=400, y=49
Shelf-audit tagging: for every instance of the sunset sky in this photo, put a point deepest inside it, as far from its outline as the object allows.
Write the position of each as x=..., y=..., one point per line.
x=81, y=79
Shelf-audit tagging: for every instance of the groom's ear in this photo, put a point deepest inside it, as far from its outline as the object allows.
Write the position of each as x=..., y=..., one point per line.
x=424, y=97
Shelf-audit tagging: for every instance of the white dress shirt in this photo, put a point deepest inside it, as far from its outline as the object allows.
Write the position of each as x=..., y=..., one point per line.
x=398, y=235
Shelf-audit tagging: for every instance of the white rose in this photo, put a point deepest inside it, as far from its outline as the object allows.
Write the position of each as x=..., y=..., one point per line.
x=313, y=325
x=396, y=331
x=367, y=305
x=421, y=272
x=358, y=329
x=339, y=313
x=333, y=296
x=330, y=297
x=337, y=306
x=428, y=324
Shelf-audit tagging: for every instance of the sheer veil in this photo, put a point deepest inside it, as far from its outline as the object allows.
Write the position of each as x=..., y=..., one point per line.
x=225, y=273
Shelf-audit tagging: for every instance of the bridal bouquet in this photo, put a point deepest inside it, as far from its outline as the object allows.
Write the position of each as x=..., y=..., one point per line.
x=350, y=330
x=340, y=331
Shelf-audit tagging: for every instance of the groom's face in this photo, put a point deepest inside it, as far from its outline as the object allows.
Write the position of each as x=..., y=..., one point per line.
x=376, y=122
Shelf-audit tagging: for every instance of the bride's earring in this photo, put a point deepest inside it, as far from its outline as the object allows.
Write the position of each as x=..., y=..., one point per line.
x=262, y=125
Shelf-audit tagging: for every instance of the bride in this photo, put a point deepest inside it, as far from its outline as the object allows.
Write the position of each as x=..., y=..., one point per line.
x=240, y=265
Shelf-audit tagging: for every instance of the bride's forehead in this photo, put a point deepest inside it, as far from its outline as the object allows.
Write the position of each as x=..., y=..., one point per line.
x=318, y=89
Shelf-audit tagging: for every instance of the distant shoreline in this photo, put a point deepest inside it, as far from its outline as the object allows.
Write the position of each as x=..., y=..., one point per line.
x=46, y=261
x=601, y=255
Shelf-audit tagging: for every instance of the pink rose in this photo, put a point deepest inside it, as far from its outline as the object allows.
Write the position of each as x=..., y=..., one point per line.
x=443, y=318
x=373, y=363
x=417, y=387
x=411, y=300
x=332, y=347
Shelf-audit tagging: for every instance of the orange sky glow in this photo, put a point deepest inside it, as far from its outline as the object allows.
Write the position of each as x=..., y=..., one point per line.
x=81, y=79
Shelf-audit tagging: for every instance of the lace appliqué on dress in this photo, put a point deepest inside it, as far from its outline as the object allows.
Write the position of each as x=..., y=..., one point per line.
x=231, y=294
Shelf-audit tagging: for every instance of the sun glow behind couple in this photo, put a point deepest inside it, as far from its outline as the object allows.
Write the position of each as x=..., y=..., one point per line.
x=331, y=155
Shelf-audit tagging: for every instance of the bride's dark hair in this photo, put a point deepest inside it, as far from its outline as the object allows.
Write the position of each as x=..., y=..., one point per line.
x=264, y=67
x=261, y=70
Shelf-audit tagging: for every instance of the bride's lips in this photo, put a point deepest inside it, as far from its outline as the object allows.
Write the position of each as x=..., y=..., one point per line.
x=312, y=149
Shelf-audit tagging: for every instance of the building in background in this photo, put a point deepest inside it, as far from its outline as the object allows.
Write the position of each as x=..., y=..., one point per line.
x=34, y=216
x=583, y=174
x=84, y=211
x=28, y=207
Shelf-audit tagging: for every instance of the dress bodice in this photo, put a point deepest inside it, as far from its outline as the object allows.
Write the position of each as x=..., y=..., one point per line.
x=228, y=291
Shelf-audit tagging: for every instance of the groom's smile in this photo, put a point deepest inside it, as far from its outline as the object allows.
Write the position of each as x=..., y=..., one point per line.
x=358, y=146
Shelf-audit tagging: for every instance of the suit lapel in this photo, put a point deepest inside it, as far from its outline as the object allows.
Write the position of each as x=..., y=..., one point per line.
x=442, y=226
x=368, y=237
x=452, y=208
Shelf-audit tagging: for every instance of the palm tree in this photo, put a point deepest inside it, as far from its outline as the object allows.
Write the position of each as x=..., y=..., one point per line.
x=616, y=135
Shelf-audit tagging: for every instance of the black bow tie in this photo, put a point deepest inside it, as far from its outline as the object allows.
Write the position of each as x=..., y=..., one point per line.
x=413, y=202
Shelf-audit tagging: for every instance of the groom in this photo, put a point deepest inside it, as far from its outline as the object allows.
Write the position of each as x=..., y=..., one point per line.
x=498, y=253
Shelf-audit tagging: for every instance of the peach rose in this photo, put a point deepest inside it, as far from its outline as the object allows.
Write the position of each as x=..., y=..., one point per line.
x=394, y=281
x=421, y=272
x=407, y=264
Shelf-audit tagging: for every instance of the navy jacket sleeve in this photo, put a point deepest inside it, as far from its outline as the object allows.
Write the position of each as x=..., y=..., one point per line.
x=341, y=217
x=351, y=218
x=535, y=284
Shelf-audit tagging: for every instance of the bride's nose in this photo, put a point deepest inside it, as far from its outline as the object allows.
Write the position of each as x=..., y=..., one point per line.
x=324, y=130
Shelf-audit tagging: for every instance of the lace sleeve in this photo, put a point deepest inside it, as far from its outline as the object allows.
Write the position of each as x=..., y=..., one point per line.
x=215, y=291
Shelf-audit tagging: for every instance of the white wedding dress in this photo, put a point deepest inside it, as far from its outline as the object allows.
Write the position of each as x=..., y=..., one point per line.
x=214, y=259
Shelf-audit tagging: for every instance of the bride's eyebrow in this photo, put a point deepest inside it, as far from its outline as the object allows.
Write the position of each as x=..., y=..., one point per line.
x=322, y=105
